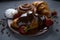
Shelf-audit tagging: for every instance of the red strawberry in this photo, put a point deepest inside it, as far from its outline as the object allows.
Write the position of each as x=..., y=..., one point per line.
x=54, y=13
x=21, y=30
x=48, y=22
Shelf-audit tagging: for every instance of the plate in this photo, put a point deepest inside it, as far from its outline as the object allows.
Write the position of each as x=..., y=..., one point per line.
x=39, y=33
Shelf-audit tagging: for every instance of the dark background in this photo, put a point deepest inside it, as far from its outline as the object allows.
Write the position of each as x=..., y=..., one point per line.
x=20, y=0
x=11, y=0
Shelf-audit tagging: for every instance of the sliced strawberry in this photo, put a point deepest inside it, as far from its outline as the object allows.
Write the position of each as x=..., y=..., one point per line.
x=48, y=22
x=21, y=30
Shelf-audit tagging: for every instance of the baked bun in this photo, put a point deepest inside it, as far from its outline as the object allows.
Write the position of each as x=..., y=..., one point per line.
x=25, y=8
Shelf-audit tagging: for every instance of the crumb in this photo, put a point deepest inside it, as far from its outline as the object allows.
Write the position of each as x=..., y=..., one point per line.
x=3, y=19
x=8, y=35
x=57, y=22
x=2, y=30
x=3, y=25
x=57, y=30
x=7, y=32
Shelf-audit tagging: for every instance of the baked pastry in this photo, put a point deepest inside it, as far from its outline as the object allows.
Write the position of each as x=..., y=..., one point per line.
x=26, y=7
x=42, y=8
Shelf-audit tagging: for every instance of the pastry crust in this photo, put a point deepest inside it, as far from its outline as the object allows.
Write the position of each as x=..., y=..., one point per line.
x=42, y=8
x=25, y=8
x=14, y=23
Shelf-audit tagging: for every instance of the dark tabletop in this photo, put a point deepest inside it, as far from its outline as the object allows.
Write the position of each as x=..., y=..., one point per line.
x=52, y=34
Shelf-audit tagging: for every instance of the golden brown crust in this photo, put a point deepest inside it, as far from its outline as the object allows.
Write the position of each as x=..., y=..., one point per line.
x=34, y=24
x=36, y=3
x=42, y=8
x=14, y=23
x=25, y=8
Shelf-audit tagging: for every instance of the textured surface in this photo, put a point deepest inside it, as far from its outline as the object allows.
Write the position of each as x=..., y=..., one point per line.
x=50, y=35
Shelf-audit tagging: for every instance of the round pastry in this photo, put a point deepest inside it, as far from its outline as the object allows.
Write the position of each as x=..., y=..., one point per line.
x=42, y=8
x=9, y=13
x=25, y=8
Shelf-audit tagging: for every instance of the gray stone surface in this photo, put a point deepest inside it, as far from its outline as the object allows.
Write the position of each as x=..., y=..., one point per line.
x=50, y=35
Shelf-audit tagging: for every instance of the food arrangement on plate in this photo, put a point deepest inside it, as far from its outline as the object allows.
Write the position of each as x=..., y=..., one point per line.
x=30, y=19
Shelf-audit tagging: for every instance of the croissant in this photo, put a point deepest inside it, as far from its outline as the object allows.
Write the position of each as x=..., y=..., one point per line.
x=42, y=8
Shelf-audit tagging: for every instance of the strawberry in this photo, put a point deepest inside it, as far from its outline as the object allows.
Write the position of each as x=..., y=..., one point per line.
x=16, y=16
x=21, y=30
x=48, y=22
x=54, y=13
